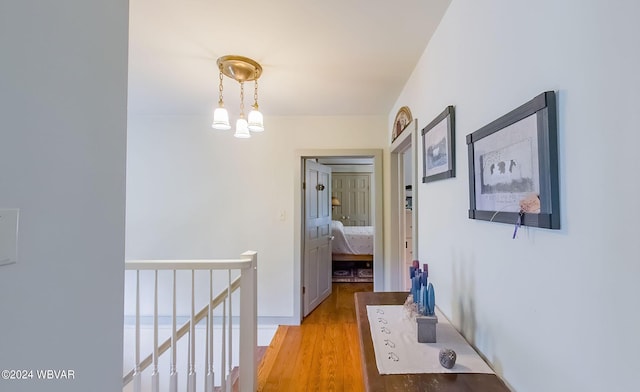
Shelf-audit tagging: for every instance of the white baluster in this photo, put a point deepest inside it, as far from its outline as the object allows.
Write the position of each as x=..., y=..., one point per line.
x=191, y=378
x=223, y=357
x=230, y=363
x=173, y=377
x=155, y=381
x=206, y=354
x=209, y=379
x=137, y=381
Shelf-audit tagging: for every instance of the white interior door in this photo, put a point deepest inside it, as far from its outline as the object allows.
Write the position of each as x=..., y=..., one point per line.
x=317, y=235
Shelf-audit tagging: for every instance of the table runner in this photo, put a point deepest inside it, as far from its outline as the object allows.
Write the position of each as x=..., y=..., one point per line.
x=397, y=349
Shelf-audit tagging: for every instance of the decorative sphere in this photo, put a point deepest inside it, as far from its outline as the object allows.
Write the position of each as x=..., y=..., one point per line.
x=447, y=358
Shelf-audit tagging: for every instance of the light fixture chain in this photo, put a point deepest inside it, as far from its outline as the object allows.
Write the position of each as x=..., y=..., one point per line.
x=241, y=99
x=220, y=88
x=255, y=95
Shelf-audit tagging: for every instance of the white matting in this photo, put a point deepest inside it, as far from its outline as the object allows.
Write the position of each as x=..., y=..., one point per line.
x=397, y=349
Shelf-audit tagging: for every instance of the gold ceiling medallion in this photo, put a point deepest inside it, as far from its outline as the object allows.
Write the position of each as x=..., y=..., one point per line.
x=239, y=68
x=403, y=118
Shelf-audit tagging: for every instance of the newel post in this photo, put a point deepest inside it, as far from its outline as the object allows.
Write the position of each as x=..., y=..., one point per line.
x=249, y=324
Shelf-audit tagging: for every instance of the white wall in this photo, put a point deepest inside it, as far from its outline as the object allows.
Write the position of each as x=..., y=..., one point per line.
x=63, y=86
x=408, y=172
x=195, y=192
x=553, y=310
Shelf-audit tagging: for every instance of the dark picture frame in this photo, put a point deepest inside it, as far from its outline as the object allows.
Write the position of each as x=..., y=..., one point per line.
x=438, y=147
x=513, y=166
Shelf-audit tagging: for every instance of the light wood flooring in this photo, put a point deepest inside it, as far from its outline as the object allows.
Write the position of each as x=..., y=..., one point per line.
x=322, y=354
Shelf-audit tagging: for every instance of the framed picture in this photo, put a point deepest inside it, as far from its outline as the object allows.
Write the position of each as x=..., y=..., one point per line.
x=403, y=118
x=438, y=147
x=513, y=166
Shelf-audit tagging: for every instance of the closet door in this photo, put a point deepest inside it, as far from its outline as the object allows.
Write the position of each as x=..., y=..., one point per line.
x=353, y=191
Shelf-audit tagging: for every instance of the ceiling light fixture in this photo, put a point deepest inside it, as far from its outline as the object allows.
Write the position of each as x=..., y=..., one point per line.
x=240, y=69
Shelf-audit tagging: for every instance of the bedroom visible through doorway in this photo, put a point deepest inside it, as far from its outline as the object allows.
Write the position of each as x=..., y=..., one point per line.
x=356, y=206
x=352, y=230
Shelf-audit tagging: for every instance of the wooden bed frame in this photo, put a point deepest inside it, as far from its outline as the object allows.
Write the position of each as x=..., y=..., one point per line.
x=350, y=257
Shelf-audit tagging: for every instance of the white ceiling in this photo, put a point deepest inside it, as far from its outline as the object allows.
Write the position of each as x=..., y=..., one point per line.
x=324, y=58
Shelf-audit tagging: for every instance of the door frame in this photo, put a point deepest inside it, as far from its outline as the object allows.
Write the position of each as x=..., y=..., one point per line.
x=298, y=216
x=408, y=140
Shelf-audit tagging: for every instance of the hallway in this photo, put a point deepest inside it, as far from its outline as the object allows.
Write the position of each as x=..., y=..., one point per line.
x=322, y=354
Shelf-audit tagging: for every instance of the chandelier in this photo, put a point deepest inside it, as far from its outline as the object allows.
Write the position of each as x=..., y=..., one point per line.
x=240, y=69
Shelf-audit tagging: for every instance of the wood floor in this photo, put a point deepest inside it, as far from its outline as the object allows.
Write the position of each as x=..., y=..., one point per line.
x=322, y=354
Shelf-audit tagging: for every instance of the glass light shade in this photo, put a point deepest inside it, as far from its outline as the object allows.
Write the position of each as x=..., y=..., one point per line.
x=255, y=121
x=242, y=129
x=221, y=119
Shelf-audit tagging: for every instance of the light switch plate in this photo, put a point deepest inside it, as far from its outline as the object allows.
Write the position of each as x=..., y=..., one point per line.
x=9, y=236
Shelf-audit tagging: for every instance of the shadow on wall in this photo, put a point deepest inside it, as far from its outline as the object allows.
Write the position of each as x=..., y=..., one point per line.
x=463, y=309
x=463, y=306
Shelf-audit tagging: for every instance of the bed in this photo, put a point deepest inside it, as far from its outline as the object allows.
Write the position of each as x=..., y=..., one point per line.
x=351, y=243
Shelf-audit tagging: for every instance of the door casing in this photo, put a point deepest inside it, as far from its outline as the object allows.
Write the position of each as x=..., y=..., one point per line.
x=407, y=140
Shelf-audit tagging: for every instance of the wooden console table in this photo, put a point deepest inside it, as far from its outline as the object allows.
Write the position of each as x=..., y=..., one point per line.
x=431, y=382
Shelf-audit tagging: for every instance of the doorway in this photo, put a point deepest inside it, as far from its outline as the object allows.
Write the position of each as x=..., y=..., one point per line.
x=351, y=219
x=404, y=206
x=376, y=185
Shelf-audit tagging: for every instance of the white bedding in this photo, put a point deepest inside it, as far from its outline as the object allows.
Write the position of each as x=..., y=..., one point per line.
x=353, y=240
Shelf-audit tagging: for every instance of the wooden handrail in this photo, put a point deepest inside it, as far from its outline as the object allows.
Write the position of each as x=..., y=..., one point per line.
x=239, y=264
x=166, y=345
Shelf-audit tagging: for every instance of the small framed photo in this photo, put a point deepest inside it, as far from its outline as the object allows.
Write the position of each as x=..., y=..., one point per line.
x=438, y=147
x=513, y=166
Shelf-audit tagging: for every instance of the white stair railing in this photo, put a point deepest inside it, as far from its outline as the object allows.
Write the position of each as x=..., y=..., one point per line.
x=246, y=282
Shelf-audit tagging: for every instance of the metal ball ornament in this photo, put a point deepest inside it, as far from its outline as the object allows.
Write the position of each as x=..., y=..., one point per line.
x=447, y=358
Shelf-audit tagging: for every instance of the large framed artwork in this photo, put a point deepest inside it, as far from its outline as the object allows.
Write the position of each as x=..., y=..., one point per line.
x=513, y=166
x=438, y=147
